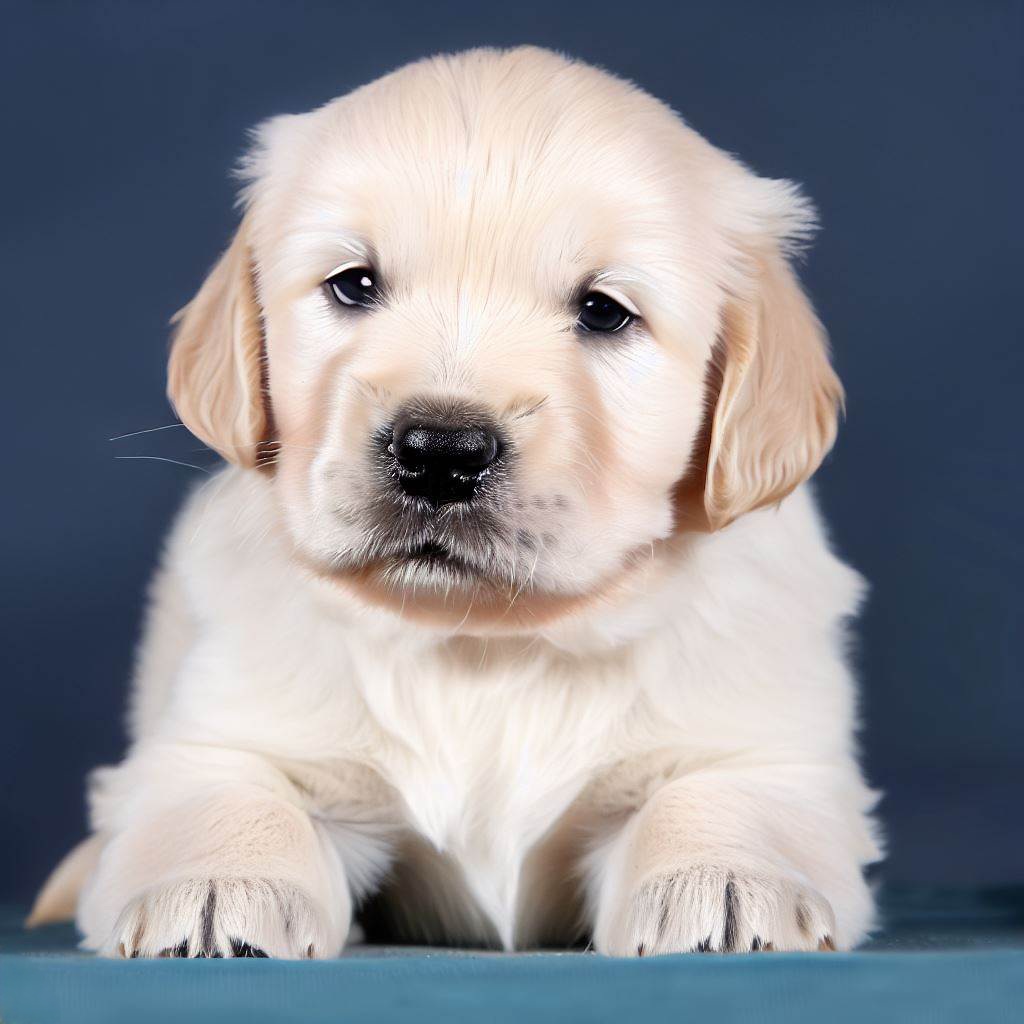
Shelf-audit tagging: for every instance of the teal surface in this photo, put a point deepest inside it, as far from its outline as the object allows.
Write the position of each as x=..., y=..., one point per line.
x=941, y=957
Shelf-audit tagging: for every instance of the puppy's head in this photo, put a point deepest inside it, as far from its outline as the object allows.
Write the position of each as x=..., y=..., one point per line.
x=499, y=324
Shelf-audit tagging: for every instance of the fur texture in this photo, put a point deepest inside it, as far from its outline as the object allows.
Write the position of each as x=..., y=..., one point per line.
x=621, y=708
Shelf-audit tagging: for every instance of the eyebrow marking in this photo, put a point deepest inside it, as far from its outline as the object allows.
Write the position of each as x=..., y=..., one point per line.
x=313, y=246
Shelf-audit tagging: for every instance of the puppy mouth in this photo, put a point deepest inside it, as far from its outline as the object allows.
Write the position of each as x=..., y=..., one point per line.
x=430, y=561
x=430, y=553
x=411, y=543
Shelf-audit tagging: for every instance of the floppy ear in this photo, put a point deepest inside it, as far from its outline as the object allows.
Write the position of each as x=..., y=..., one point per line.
x=779, y=402
x=215, y=374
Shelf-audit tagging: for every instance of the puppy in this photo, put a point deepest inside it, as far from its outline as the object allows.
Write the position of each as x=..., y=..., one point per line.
x=510, y=617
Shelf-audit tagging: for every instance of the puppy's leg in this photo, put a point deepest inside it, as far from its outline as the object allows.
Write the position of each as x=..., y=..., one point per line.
x=210, y=853
x=735, y=860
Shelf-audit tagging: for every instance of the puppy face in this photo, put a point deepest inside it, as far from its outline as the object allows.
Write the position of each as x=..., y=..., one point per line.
x=492, y=323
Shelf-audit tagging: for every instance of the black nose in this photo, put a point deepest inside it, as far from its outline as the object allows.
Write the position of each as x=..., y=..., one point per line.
x=443, y=464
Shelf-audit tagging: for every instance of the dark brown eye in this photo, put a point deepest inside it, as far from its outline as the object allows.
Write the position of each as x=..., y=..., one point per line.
x=600, y=312
x=354, y=286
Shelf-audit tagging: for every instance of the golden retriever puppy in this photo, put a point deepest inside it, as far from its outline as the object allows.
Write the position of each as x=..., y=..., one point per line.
x=511, y=614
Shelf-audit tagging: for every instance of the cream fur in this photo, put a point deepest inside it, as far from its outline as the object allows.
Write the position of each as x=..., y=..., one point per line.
x=628, y=727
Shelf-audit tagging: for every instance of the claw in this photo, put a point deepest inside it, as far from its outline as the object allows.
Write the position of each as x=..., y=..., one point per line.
x=240, y=948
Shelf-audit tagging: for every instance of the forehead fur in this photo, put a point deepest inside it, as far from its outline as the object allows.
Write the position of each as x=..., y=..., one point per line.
x=498, y=165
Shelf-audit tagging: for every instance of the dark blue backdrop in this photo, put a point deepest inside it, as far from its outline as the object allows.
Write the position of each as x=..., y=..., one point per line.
x=119, y=122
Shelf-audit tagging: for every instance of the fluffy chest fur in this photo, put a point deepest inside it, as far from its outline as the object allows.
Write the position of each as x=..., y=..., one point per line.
x=486, y=760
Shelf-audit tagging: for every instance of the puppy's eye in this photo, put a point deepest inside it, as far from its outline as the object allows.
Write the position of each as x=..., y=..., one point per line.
x=600, y=312
x=354, y=286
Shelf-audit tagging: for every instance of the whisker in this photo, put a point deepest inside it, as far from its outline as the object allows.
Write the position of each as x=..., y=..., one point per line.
x=135, y=433
x=157, y=458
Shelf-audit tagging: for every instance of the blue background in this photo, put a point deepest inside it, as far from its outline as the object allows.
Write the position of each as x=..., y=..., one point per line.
x=119, y=123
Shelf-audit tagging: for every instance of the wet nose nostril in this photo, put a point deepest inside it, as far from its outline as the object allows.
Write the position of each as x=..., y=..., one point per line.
x=443, y=464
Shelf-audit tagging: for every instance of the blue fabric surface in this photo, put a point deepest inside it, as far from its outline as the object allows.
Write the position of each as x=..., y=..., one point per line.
x=942, y=957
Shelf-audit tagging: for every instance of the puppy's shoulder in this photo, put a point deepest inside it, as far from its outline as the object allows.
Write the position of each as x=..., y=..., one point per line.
x=227, y=540
x=779, y=558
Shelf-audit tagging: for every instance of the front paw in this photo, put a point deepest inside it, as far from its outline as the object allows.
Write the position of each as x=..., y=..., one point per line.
x=704, y=908
x=221, y=918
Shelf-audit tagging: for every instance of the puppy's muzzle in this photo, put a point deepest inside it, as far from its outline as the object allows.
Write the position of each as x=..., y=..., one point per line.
x=442, y=461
